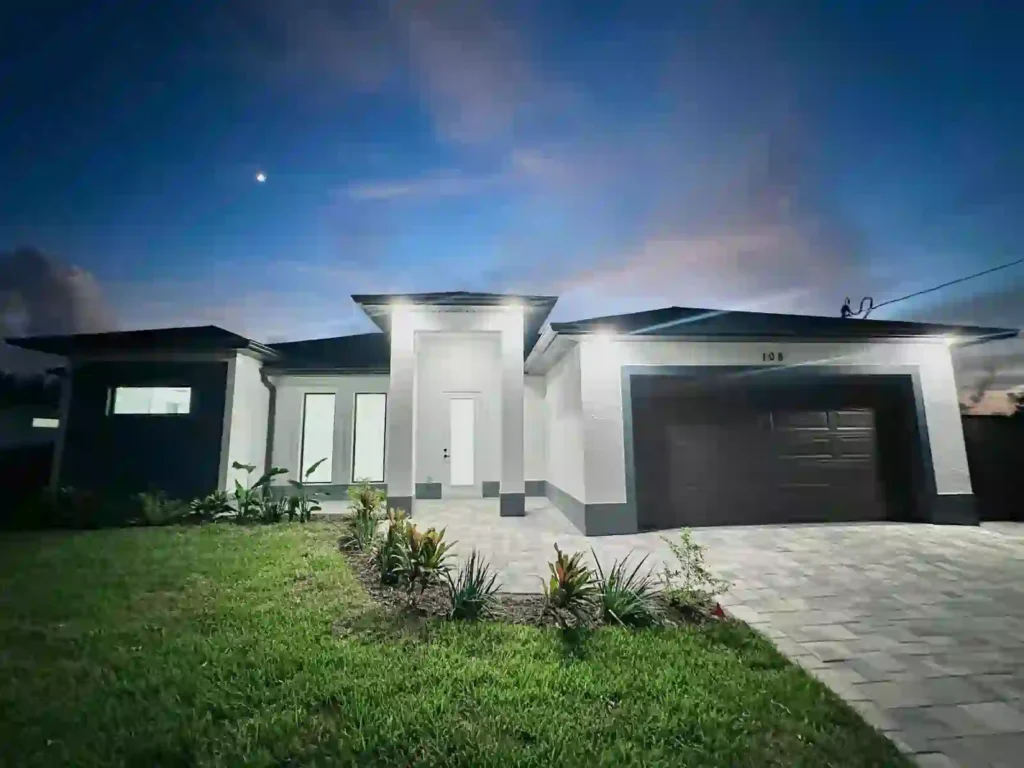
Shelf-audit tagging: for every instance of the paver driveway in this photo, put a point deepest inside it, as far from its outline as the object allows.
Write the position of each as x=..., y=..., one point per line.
x=920, y=627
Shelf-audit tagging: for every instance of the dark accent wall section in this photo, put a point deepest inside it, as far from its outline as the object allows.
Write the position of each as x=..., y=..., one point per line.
x=490, y=489
x=574, y=509
x=428, y=490
x=512, y=505
x=328, y=492
x=178, y=454
x=536, y=488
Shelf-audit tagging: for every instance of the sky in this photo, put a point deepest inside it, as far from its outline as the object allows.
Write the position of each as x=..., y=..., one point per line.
x=776, y=156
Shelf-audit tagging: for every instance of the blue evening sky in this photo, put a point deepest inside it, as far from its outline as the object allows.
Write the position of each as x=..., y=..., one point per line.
x=768, y=155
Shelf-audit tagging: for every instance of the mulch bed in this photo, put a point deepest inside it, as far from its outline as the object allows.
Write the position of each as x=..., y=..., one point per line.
x=514, y=608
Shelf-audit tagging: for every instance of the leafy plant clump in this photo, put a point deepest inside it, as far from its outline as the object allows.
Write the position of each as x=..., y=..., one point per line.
x=155, y=508
x=570, y=591
x=305, y=498
x=425, y=559
x=390, y=552
x=211, y=506
x=473, y=593
x=249, y=500
x=364, y=516
x=690, y=585
x=628, y=597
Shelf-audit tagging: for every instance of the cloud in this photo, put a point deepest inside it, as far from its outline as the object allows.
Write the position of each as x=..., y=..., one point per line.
x=440, y=185
x=39, y=294
x=465, y=61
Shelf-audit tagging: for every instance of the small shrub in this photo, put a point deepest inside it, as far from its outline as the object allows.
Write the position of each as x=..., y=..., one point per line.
x=390, y=553
x=155, y=508
x=570, y=590
x=270, y=508
x=690, y=585
x=473, y=593
x=363, y=517
x=627, y=597
x=248, y=499
x=424, y=559
x=211, y=506
x=305, y=499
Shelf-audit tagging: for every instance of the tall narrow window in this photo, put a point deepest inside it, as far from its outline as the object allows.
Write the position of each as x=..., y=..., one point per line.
x=317, y=437
x=368, y=438
x=151, y=401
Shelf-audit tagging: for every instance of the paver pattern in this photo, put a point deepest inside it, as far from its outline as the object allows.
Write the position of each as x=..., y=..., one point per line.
x=919, y=627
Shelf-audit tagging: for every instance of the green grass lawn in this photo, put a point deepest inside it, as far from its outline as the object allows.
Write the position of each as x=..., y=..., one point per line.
x=224, y=645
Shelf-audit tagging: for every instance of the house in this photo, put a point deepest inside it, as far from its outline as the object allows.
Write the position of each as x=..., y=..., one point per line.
x=657, y=419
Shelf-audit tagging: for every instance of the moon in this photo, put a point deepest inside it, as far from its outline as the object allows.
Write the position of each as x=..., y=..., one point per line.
x=261, y=177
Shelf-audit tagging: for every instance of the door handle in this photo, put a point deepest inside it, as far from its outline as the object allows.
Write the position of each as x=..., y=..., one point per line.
x=446, y=453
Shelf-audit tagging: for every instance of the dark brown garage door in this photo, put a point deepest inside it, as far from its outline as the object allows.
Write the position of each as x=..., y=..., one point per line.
x=736, y=453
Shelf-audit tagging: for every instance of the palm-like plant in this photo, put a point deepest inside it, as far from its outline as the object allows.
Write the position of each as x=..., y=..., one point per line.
x=570, y=590
x=627, y=597
x=210, y=506
x=473, y=593
x=248, y=498
x=389, y=555
x=305, y=500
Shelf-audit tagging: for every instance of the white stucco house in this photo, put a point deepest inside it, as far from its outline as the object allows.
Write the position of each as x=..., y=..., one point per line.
x=658, y=419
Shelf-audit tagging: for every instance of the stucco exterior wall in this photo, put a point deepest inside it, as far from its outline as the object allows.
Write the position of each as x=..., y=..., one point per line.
x=245, y=422
x=601, y=361
x=565, y=426
x=465, y=364
x=535, y=454
x=287, y=428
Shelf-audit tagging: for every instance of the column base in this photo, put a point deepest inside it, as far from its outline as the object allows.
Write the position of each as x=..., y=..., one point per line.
x=513, y=505
x=403, y=503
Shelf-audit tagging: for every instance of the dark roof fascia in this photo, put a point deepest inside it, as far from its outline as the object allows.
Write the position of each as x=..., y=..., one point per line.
x=970, y=335
x=284, y=369
x=204, y=339
x=455, y=299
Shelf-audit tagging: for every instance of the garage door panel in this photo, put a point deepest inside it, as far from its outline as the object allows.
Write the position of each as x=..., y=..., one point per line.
x=759, y=457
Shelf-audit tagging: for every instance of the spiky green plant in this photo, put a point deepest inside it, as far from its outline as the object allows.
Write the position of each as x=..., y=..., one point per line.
x=211, y=506
x=627, y=597
x=363, y=517
x=474, y=591
x=425, y=559
x=390, y=552
x=570, y=590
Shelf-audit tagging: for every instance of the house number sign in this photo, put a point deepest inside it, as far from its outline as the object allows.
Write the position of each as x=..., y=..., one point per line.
x=771, y=357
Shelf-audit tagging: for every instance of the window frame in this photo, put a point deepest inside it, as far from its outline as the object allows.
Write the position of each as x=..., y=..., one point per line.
x=384, y=448
x=112, y=400
x=302, y=439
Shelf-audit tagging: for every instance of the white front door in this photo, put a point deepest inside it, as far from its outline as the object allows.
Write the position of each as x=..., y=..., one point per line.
x=461, y=450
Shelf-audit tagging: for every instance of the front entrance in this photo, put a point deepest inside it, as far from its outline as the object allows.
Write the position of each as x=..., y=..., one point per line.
x=460, y=449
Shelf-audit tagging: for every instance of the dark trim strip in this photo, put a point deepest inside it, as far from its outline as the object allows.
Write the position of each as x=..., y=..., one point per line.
x=490, y=489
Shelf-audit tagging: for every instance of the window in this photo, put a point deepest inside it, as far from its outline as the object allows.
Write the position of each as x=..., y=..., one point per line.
x=151, y=401
x=317, y=437
x=43, y=423
x=368, y=438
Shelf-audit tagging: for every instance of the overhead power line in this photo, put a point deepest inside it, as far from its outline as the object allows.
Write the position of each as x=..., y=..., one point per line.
x=864, y=311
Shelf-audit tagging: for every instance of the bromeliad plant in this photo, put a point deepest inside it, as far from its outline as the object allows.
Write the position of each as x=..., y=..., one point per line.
x=424, y=559
x=690, y=585
x=389, y=555
x=570, y=590
x=249, y=499
x=473, y=593
x=305, y=500
x=628, y=597
x=363, y=517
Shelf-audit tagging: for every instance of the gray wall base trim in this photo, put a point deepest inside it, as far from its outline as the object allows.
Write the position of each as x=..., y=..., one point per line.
x=610, y=519
x=403, y=503
x=327, y=492
x=573, y=509
x=513, y=505
x=428, y=490
x=954, y=509
x=490, y=489
x=536, y=488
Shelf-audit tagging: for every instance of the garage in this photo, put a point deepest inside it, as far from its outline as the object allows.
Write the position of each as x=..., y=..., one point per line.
x=742, y=449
